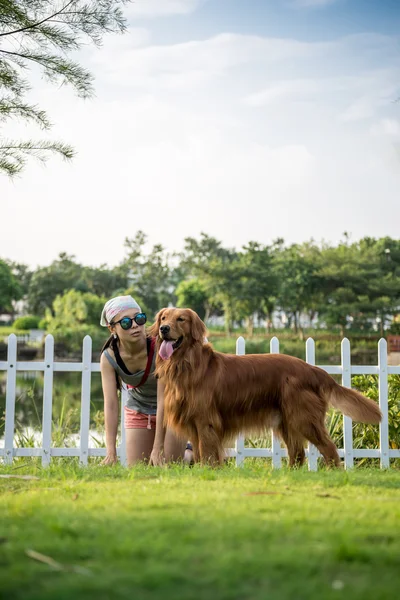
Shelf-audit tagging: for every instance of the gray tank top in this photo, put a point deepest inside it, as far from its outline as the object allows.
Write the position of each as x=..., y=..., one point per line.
x=144, y=398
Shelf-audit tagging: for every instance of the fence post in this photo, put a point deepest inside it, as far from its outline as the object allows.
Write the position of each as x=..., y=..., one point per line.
x=10, y=399
x=312, y=451
x=383, y=404
x=122, y=447
x=239, y=443
x=347, y=422
x=276, y=442
x=47, y=399
x=85, y=399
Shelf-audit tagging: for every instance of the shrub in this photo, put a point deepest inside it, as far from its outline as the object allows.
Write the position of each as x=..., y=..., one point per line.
x=395, y=328
x=26, y=323
x=43, y=323
x=72, y=337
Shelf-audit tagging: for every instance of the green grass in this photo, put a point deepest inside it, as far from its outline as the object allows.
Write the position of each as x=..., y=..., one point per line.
x=181, y=533
x=6, y=331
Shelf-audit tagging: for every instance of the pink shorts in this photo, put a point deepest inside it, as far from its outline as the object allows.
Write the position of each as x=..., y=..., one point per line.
x=137, y=420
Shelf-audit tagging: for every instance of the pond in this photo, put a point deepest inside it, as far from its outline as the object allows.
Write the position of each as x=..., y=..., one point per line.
x=66, y=407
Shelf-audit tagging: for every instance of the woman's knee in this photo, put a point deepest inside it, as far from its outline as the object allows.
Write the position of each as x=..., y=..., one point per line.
x=139, y=444
x=174, y=447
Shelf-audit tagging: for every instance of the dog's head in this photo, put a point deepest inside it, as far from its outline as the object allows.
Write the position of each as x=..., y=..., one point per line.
x=177, y=329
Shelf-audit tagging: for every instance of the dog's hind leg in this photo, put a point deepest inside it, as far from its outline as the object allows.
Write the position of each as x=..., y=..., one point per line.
x=294, y=442
x=306, y=418
x=318, y=435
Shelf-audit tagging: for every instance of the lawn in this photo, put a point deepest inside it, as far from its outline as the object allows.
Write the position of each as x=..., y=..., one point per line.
x=180, y=533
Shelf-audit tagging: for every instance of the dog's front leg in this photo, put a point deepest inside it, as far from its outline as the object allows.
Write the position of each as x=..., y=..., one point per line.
x=210, y=446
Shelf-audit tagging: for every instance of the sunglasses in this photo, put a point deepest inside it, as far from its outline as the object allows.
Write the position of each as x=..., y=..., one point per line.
x=126, y=323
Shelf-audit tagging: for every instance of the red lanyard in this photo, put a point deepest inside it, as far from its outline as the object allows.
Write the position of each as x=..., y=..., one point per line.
x=148, y=366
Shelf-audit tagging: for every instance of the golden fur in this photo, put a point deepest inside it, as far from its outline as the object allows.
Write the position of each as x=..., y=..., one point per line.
x=211, y=397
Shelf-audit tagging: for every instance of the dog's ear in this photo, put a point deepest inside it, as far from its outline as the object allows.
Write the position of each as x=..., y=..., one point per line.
x=198, y=329
x=154, y=329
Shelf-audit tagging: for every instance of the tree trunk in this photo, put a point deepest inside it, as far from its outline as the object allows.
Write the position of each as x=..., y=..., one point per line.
x=250, y=326
x=228, y=318
x=207, y=312
x=269, y=325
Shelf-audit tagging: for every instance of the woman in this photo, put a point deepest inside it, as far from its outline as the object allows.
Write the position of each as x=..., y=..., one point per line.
x=128, y=356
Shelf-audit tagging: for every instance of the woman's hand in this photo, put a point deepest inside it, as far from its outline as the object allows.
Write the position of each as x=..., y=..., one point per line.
x=157, y=457
x=111, y=458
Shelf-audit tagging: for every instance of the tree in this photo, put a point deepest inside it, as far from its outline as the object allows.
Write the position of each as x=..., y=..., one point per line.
x=73, y=309
x=60, y=276
x=260, y=283
x=361, y=282
x=22, y=274
x=149, y=275
x=191, y=293
x=10, y=290
x=296, y=268
x=42, y=34
x=203, y=259
x=103, y=281
x=223, y=283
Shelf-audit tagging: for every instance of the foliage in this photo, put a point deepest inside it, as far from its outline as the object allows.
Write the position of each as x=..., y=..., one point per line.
x=351, y=287
x=191, y=293
x=367, y=436
x=66, y=274
x=395, y=328
x=10, y=289
x=46, y=283
x=27, y=322
x=74, y=309
x=149, y=275
x=43, y=34
x=76, y=314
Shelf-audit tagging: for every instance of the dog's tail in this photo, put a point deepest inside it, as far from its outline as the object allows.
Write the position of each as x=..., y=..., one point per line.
x=354, y=405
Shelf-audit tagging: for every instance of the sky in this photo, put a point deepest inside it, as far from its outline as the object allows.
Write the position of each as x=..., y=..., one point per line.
x=247, y=120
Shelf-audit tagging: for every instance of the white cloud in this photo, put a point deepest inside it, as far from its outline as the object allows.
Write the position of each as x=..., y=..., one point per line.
x=149, y=9
x=387, y=127
x=241, y=136
x=311, y=3
x=290, y=90
x=204, y=59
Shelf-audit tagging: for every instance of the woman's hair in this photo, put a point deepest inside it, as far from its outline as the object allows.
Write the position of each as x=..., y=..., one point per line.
x=112, y=343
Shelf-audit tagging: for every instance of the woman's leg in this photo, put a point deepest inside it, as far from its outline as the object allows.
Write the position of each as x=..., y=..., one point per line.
x=174, y=447
x=139, y=444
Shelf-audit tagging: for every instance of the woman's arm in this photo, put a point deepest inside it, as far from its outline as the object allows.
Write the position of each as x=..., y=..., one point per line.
x=156, y=457
x=111, y=403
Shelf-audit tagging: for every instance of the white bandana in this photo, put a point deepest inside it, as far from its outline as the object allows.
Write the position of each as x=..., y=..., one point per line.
x=115, y=306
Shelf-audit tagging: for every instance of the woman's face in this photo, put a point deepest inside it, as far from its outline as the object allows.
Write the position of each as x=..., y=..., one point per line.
x=134, y=333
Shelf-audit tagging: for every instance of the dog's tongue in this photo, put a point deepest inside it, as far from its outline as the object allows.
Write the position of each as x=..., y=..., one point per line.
x=166, y=350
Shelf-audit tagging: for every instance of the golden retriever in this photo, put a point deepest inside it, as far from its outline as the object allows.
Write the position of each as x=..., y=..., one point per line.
x=211, y=397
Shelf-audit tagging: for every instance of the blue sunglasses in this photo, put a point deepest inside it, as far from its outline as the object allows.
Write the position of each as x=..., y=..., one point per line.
x=126, y=323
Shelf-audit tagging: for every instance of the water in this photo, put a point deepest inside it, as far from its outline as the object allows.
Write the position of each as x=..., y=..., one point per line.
x=66, y=406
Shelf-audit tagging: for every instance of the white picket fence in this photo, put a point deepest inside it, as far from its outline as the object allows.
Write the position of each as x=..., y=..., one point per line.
x=239, y=452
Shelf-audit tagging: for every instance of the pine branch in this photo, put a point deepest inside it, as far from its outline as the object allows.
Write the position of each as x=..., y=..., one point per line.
x=13, y=155
x=10, y=107
x=55, y=66
x=43, y=33
x=37, y=24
